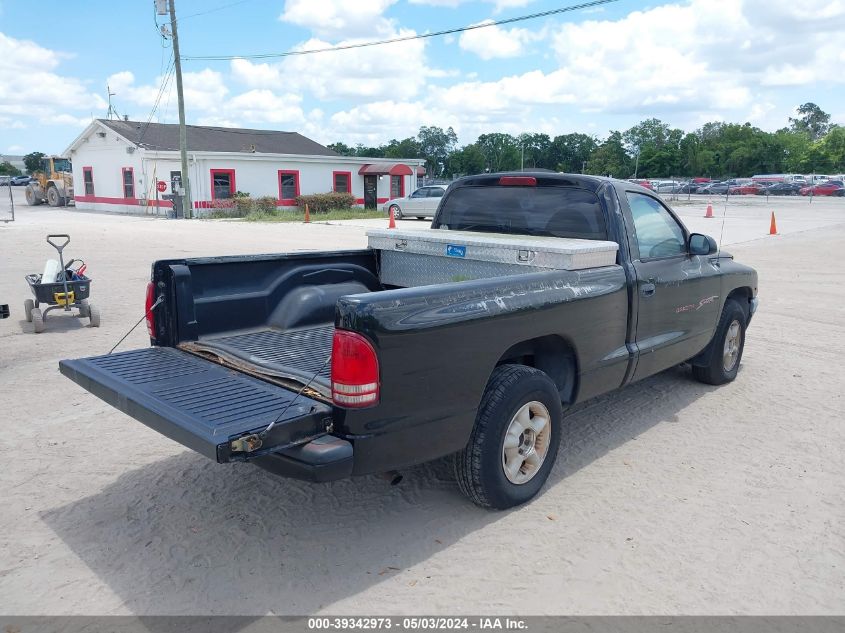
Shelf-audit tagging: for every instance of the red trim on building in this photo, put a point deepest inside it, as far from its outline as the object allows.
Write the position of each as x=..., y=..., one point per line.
x=348, y=180
x=134, y=202
x=123, y=171
x=283, y=202
x=381, y=169
x=90, y=170
x=232, y=187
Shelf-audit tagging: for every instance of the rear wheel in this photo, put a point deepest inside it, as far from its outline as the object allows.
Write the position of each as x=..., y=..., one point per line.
x=37, y=320
x=397, y=212
x=84, y=308
x=726, y=347
x=28, y=307
x=514, y=443
x=31, y=199
x=94, y=315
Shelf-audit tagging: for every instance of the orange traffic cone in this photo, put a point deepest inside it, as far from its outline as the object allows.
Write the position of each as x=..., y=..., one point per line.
x=307, y=214
x=392, y=224
x=709, y=213
x=773, y=227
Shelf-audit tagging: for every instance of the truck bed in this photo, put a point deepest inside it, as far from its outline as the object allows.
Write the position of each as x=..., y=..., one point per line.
x=301, y=354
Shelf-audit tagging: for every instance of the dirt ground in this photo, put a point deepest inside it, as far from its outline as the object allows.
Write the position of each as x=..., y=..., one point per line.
x=669, y=497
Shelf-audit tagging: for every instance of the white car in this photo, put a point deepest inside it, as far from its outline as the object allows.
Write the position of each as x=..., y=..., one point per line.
x=420, y=204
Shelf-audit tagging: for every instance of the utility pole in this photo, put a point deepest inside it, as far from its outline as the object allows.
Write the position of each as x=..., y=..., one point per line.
x=187, y=205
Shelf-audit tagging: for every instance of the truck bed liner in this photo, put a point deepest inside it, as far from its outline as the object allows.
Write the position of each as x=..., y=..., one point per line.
x=301, y=354
x=197, y=402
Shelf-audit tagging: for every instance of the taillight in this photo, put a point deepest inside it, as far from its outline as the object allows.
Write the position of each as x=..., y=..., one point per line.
x=354, y=371
x=151, y=319
x=518, y=181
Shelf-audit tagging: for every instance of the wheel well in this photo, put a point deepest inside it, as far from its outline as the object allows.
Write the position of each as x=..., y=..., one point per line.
x=553, y=355
x=743, y=296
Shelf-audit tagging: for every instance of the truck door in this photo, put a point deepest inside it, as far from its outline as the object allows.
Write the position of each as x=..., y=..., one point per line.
x=677, y=293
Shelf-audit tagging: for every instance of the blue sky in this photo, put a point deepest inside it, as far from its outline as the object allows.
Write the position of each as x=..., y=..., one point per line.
x=588, y=71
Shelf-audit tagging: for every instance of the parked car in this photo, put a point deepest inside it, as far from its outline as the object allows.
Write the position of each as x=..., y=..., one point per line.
x=21, y=180
x=828, y=188
x=665, y=186
x=686, y=187
x=5, y=181
x=715, y=188
x=746, y=189
x=781, y=189
x=642, y=183
x=420, y=204
x=312, y=367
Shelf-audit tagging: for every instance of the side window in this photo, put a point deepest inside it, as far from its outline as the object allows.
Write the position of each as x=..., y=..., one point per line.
x=657, y=232
x=435, y=192
x=420, y=193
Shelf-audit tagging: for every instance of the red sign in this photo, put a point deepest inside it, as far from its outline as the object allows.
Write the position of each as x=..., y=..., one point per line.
x=161, y=186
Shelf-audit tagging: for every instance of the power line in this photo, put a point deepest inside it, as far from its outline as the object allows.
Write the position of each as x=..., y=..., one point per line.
x=471, y=27
x=220, y=8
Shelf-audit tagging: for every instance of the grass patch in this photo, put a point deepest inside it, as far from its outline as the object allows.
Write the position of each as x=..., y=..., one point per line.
x=295, y=215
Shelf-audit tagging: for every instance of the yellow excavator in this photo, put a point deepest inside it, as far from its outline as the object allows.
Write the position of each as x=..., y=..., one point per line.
x=53, y=183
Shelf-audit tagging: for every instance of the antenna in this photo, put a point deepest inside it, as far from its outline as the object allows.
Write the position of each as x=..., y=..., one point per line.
x=722, y=230
x=112, y=110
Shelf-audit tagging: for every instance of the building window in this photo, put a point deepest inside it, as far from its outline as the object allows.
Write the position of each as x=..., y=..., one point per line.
x=222, y=184
x=397, y=187
x=88, y=180
x=288, y=186
x=342, y=181
x=128, y=182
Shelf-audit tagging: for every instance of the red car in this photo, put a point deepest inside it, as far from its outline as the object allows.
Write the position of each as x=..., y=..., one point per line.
x=829, y=188
x=643, y=183
x=744, y=190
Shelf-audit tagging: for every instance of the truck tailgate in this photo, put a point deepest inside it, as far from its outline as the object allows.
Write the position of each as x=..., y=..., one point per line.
x=197, y=402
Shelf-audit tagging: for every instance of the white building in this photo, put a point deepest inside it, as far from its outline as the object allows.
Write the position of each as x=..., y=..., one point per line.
x=128, y=166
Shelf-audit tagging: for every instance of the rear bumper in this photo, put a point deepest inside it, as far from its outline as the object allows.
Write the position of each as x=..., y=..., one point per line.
x=326, y=458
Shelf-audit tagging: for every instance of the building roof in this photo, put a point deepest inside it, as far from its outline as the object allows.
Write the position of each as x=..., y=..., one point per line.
x=165, y=137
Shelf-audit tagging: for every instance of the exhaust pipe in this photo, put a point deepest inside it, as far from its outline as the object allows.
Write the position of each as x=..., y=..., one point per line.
x=392, y=476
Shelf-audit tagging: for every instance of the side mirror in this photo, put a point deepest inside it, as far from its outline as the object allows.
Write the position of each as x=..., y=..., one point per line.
x=701, y=244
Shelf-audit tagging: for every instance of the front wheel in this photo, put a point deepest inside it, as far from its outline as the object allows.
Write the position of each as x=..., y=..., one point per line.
x=31, y=199
x=53, y=197
x=397, y=212
x=515, y=440
x=726, y=347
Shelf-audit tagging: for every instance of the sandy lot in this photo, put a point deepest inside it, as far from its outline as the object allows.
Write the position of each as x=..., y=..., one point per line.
x=669, y=496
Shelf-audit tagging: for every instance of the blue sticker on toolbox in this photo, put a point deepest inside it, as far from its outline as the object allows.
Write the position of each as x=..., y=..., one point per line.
x=456, y=251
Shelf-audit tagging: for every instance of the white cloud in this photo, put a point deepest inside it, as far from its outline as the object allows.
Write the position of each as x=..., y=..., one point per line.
x=493, y=41
x=29, y=87
x=499, y=5
x=14, y=148
x=339, y=18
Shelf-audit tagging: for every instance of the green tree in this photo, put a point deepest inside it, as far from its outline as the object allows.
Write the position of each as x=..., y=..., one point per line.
x=8, y=169
x=610, y=158
x=406, y=148
x=33, y=161
x=570, y=152
x=812, y=120
x=501, y=151
x=435, y=145
x=534, y=151
x=466, y=161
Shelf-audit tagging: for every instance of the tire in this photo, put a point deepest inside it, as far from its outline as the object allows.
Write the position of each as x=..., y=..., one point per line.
x=480, y=466
x=420, y=217
x=397, y=212
x=37, y=320
x=94, y=315
x=721, y=368
x=84, y=308
x=53, y=197
x=28, y=307
x=31, y=199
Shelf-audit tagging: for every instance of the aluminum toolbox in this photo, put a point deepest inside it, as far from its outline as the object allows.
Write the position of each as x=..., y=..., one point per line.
x=424, y=257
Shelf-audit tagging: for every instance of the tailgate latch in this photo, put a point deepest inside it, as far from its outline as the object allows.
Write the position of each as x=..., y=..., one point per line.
x=246, y=444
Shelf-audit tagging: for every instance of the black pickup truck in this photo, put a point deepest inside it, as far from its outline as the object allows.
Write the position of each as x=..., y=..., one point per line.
x=311, y=367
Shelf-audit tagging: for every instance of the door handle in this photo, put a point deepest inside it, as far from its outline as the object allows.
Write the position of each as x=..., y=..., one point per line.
x=647, y=289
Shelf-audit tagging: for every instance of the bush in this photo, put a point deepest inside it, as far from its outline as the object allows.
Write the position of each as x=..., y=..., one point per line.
x=324, y=202
x=265, y=204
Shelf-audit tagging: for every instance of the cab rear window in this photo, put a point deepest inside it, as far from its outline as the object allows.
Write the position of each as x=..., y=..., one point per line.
x=551, y=211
